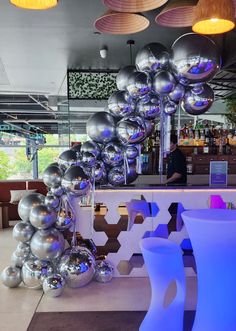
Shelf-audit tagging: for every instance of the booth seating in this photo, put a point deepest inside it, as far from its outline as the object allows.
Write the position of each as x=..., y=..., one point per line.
x=8, y=210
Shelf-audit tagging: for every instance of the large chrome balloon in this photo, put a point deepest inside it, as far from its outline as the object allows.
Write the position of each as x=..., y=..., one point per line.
x=92, y=147
x=23, y=249
x=131, y=151
x=34, y=271
x=11, y=277
x=163, y=82
x=77, y=266
x=139, y=84
x=27, y=202
x=118, y=105
x=131, y=130
x=52, y=176
x=42, y=217
x=47, y=244
x=63, y=221
x=75, y=181
x=177, y=94
x=53, y=285
x=149, y=110
x=170, y=107
x=197, y=104
x=52, y=201
x=88, y=159
x=23, y=232
x=116, y=176
x=112, y=154
x=195, y=58
x=68, y=158
x=104, y=271
x=18, y=260
x=152, y=57
x=122, y=77
x=101, y=127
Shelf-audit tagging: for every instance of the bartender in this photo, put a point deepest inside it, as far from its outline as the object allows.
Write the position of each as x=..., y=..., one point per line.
x=176, y=165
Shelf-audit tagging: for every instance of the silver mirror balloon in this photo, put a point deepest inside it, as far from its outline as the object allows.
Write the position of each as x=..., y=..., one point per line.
x=23, y=232
x=149, y=110
x=42, y=217
x=76, y=182
x=163, y=82
x=122, y=77
x=88, y=159
x=27, y=202
x=116, y=176
x=170, y=107
x=68, y=158
x=52, y=201
x=54, y=285
x=118, y=105
x=77, y=266
x=131, y=151
x=104, y=271
x=177, y=94
x=63, y=221
x=139, y=84
x=11, y=276
x=131, y=130
x=112, y=154
x=91, y=147
x=52, y=176
x=101, y=127
x=152, y=57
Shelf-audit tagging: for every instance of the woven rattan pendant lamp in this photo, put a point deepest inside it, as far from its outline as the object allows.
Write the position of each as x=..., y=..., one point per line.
x=214, y=16
x=133, y=6
x=35, y=4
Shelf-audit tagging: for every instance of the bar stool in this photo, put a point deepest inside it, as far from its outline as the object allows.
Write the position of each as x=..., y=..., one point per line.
x=164, y=263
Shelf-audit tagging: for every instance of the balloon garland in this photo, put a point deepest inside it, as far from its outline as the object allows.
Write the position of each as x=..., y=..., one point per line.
x=155, y=88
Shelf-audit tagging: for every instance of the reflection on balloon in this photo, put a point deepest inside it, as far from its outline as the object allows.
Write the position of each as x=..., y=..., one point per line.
x=131, y=130
x=170, y=107
x=112, y=154
x=68, y=158
x=75, y=181
x=42, y=217
x=52, y=201
x=101, y=127
x=139, y=84
x=52, y=176
x=92, y=147
x=99, y=169
x=163, y=82
x=18, y=260
x=11, y=276
x=77, y=266
x=27, y=202
x=63, y=221
x=88, y=159
x=23, y=249
x=118, y=105
x=152, y=57
x=177, y=94
x=104, y=271
x=149, y=110
x=197, y=104
x=116, y=176
x=195, y=58
x=53, y=285
x=34, y=271
x=57, y=191
x=122, y=77
x=23, y=231
x=131, y=151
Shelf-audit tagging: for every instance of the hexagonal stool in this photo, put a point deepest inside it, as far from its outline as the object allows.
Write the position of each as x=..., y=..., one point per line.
x=164, y=263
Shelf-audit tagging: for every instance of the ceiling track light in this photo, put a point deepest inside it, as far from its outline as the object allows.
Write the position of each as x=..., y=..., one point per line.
x=214, y=16
x=35, y=4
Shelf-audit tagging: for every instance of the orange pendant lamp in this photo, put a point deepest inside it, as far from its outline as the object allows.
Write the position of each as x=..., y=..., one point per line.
x=214, y=16
x=35, y=4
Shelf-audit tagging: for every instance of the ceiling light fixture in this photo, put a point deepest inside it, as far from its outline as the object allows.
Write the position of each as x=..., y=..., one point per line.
x=34, y=4
x=133, y=6
x=213, y=16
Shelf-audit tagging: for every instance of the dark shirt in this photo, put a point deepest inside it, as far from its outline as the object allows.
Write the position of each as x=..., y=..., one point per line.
x=176, y=162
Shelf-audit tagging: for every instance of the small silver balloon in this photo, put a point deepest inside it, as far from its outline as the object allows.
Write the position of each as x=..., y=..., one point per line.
x=54, y=285
x=131, y=130
x=77, y=266
x=152, y=57
x=34, y=271
x=112, y=154
x=63, y=222
x=197, y=104
x=149, y=110
x=101, y=127
x=23, y=232
x=118, y=105
x=195, y=58
x=122, y=77
x=116, y=176
x=27, y=202
x=11, y=276
x=68, y=158
x=88, y=159
x=57, y=191
x=139, y=84
x=52, y=201
x=18, y=260
x=47, y=244
x=23, y=249
x=177, y=94
x=76, y=182
x=163, y=82
x=92, y=147
x=52, y=176
x=42, y=217
x=170, y=107
x=131, y=151
x=104, y=271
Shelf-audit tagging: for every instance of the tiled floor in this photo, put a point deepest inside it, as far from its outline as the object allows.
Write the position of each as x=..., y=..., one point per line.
x=17, y=306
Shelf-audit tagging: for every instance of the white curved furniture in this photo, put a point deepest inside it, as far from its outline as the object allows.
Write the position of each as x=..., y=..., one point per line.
x=213, y=236
x=164, y=263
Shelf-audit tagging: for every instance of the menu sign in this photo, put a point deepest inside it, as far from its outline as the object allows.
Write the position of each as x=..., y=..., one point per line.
x=218, y=173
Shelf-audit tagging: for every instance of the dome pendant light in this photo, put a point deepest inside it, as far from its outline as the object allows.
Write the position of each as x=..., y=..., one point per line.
x=214, y=16
x=35, y=4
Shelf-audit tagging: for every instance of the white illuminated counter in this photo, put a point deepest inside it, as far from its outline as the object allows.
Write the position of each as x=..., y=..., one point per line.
x=148, y=205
